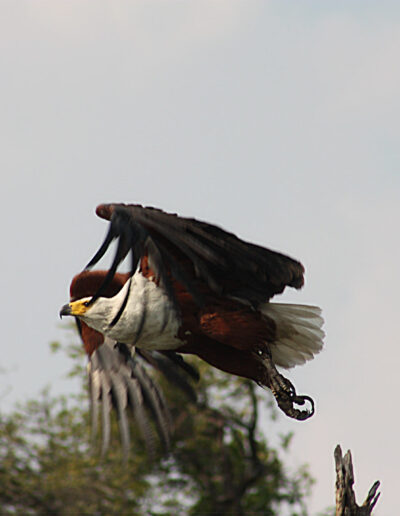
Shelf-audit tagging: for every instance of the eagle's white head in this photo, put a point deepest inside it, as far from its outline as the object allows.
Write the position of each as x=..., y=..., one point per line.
x=97, y=315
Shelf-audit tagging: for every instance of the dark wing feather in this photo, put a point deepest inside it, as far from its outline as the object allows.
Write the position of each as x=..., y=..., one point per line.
x=172, y=365
x=155, y=400
x=181, y=364
x=196, y=253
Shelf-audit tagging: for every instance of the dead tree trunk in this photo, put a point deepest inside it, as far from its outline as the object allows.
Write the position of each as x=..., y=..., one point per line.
x=345, y=498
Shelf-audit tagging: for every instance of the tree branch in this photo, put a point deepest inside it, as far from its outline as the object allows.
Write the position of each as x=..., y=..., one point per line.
x=345, y=498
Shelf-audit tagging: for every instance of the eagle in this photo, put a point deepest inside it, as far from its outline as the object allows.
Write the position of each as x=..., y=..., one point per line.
x=195, y=288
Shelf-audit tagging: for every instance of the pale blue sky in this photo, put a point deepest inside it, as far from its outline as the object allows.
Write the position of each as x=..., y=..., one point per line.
x=277, y=120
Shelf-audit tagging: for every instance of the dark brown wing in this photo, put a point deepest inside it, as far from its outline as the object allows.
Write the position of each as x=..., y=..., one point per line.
x=195, y=253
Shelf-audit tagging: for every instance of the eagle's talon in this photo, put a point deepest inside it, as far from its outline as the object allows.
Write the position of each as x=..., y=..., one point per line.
x=285, y=393
x=288, y=408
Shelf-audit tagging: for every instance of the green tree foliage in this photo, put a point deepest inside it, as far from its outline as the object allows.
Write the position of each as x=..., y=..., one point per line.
x=220, y=461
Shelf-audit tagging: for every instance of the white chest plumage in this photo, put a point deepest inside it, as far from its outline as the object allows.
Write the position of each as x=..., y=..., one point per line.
x=148, y=320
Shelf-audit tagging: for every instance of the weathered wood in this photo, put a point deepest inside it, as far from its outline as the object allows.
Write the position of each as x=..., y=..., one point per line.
x=346, y=504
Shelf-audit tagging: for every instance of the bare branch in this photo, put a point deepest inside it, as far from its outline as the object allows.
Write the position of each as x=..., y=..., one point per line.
x=345, y=498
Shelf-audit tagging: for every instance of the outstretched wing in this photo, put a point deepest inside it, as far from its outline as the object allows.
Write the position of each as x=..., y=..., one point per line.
x=200, y=256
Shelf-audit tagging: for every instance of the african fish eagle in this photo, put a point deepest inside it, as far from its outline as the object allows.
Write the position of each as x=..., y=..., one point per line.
x=195, y=288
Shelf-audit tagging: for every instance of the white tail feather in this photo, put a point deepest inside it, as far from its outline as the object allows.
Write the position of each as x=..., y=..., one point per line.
x=299, y=333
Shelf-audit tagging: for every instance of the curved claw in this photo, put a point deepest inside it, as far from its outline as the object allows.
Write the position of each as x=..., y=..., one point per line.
x=286, y=403
x=103, y=248
x=285, y=393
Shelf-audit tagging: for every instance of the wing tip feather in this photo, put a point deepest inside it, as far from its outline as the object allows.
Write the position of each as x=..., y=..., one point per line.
x=105, y=211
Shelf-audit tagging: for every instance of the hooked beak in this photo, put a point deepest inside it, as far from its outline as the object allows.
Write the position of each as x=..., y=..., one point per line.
x=65, y=310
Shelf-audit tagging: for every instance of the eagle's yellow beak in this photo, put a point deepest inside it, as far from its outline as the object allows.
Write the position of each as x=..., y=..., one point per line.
x=75, y=308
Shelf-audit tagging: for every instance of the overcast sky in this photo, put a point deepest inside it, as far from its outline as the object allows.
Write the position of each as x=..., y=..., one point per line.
x=277, y=120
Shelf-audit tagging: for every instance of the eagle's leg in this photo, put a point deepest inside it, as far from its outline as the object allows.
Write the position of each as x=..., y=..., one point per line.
x=284, y=391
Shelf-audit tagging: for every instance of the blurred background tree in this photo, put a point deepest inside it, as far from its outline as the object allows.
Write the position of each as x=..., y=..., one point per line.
x=220, y=462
